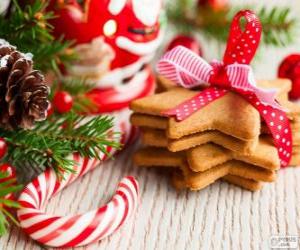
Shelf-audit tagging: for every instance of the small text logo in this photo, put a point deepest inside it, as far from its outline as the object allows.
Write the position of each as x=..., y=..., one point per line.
x=284, y=242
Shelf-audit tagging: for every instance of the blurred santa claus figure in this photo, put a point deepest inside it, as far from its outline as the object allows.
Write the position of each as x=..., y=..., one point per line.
x=115, y=42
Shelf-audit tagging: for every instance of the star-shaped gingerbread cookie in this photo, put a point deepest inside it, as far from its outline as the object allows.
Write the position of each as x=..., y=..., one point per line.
x=230, y=114
x=204, y=157
x=149, y=157
x=158, y=138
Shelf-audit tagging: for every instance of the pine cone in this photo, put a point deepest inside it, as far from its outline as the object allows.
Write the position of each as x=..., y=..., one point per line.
x=23, y=93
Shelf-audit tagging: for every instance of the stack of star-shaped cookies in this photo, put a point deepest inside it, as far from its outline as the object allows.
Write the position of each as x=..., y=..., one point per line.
x=224, y=140
x=293, y=109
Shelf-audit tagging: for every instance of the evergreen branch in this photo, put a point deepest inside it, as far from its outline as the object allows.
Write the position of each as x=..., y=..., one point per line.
x=77, y=88
x=3, y=223
x=49, y=144
x=277, y=24
x=30, y=31
x=74, y=86
x=7, y=188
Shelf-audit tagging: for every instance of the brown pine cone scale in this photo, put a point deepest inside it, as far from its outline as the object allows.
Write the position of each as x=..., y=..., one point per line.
x=23, y=92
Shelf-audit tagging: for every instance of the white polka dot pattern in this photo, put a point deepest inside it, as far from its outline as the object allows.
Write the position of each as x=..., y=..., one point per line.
x=234, y=74
x=199, y=101
x=242, y=45
x=279, y=126
x=276, y=119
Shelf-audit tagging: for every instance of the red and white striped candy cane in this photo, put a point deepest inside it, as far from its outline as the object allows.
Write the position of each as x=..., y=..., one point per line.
x=83, y=229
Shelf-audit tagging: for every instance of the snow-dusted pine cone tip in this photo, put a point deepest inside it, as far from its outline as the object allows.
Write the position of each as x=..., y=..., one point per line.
x=23, y=92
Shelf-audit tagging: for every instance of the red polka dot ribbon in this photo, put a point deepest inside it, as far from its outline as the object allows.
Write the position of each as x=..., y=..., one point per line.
x=187, y=69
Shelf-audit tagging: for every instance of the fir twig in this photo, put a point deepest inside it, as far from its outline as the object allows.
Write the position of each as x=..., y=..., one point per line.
x=278, y=25
x=6, y=188
x=77, y=88
x=30, y=31
x=49, y=144
x=74, y=86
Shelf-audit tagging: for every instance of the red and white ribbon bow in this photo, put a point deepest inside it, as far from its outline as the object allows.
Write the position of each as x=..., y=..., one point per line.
x=187, y=69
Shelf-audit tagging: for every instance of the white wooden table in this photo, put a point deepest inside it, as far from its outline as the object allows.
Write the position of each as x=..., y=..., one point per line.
x=220, y=217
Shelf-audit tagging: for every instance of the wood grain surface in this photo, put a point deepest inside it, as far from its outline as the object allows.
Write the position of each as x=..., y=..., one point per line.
x=220, y=217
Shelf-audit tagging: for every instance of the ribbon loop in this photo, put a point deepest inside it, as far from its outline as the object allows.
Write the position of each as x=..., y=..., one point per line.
x=242, y=44
x=186, y=68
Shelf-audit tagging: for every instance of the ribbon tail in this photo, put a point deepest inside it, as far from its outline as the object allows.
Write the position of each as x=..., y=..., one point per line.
x=172, y=112
x=242, y=78
x=189, y=107
x=184, y=67
x=279, y=126
x=281, y=132
x=267, y=97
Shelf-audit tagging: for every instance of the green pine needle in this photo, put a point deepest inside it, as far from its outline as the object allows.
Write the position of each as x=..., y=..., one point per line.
x=77, y=88
x=74, y=86
x=278, y=25
x=51, y=141
x=29, y=30
x=6, y=188
x=3, y=223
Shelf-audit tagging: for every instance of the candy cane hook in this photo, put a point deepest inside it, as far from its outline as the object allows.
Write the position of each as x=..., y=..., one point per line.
x=83, y=229
x=76, y=230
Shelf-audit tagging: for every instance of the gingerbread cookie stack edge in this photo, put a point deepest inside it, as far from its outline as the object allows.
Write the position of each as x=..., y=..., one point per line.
x=225, y=140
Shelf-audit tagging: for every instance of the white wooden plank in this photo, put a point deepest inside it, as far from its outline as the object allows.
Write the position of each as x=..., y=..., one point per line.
x=219, y=217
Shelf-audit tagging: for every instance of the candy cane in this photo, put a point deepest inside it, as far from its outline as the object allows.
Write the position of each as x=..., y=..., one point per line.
x=83, y=229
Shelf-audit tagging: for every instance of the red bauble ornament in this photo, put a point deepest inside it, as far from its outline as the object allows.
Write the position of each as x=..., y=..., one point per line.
x=62, y=101
x=8, y=169
x=3, y=148
x=290, y=68
x=186, y=41
x=214, y=4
